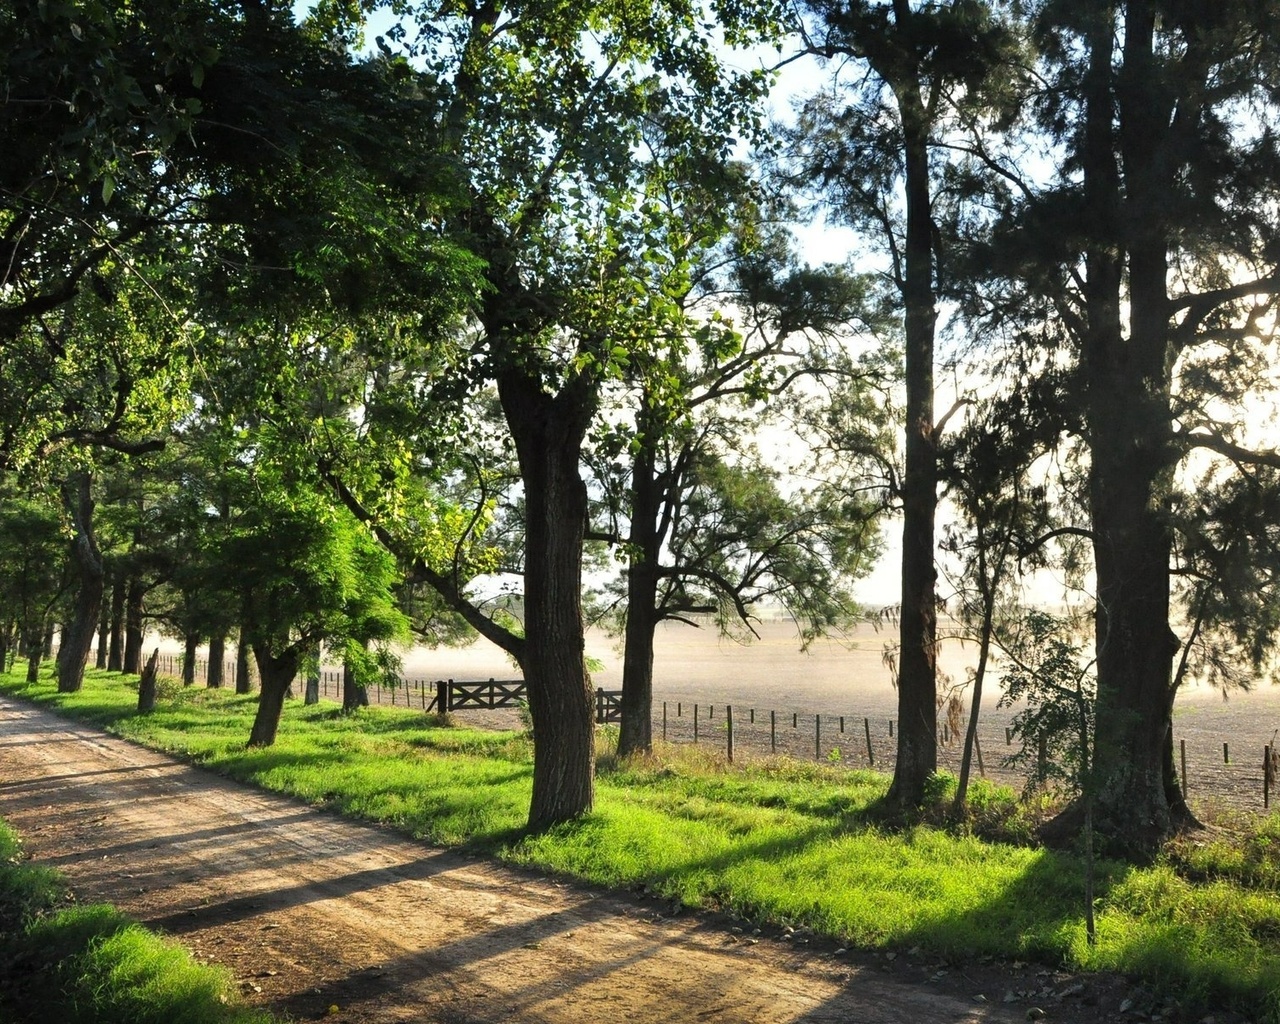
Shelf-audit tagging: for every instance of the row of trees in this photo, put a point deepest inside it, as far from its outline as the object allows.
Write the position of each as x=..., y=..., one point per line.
x=502, y=289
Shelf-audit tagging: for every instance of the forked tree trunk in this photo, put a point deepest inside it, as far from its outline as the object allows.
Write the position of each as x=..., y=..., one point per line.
x=217, y=655
x=277, y=673
x=133, y=637
x=77, y=635
x=115, y=658
x=548, y=432
x=1129, y=421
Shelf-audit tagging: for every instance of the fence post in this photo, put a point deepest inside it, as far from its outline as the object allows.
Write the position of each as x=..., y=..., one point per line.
x=442, y=696
x=695, y=723
x=664, y=721
x=817, y=737
x=1226, y=757
x=728, y=712
x=871, y=756
x=1266, y=776
x=711, y=712
x=752, y=712
x=891, y=728
x=773, y=732
x=1183, y=747
x=795, y=720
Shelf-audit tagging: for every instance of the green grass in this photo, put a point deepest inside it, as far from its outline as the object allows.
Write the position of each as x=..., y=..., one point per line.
x=778, y=841
x=93, y=965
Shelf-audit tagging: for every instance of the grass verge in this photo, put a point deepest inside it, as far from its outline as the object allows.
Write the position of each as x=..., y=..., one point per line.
x=778, y=842
x=91, y=965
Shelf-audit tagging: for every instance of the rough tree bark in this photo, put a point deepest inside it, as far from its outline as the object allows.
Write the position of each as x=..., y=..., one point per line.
x=636, y=733
x=548, y=432
x=104, y=634
x=217, y=656
x=276, y=672
x=917, y=654
x=189, y=645
x=77, y=635
x=1129, y=422
x=135, y=592
x=354, y=693
x=244, y=673
x=115, y=658
x=147, y=683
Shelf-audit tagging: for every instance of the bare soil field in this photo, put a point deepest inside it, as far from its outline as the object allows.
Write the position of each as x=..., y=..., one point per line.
x=837, y=680
x=324, y=918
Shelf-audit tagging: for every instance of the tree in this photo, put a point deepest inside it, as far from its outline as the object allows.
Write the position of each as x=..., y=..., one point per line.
x=33, y=548
x=303, y=572
x=1152, y=261
x=556, y=204
x=928, y=66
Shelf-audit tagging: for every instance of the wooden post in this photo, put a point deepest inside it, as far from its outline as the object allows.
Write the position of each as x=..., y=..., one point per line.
x=728, y=711
x=664, y=721
x=817, y=737
x=752, y=713
x=871, y=756
x=1226, y=756
x=711, y=712
x=891, y=728
x=1182, y=744
x=442, y=696
x=677, y=709
x=773, y=732
x=842, y=725
x=695, y=723
x=795, y=720
x=1266, y=776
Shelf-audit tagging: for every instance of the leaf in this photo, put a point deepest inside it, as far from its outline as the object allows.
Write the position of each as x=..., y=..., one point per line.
x=108, y=188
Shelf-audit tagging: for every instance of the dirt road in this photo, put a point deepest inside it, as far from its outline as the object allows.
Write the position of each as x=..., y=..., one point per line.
x=312, y=912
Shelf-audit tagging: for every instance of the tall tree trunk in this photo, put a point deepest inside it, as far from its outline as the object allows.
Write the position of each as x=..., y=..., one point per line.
x=277, y=673
x=244, y=670
x=133, y=637
x=636, y=733
x=548, y=432
x=1129, y=423
x=104, y=633
x=77, y=635
x=191, y=643
x=34, y=650
x=917, y=654
x=217, y=655
x=115, y=658
x=311, y=694
x=354, y=693
x=6, y=635
x=46, y=644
